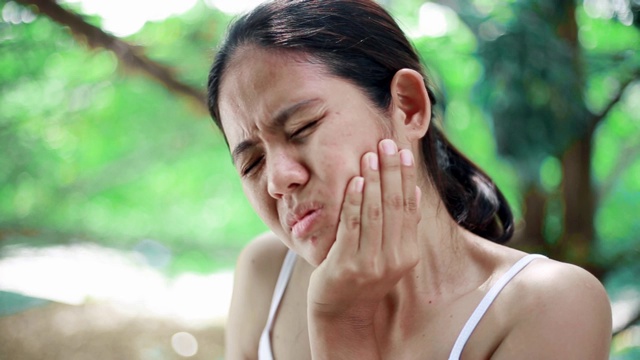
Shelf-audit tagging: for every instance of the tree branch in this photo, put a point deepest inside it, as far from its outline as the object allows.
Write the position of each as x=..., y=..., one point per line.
x=630, y=151
x=132, y=57
x=597, y=118
x=467, y=12
x=629, y=156
x=629, y=324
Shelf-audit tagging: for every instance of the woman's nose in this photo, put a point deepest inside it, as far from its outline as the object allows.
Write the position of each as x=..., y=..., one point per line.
x=285, y=175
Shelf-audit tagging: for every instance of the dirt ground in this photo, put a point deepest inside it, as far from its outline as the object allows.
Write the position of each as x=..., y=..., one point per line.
x=98, y=331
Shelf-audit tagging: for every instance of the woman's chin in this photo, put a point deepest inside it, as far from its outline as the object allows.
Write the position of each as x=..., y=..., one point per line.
x=319, y=249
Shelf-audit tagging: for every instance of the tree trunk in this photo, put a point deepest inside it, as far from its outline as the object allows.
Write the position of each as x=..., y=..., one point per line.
x=530, y=237
x=578, y=195
x=579, y=203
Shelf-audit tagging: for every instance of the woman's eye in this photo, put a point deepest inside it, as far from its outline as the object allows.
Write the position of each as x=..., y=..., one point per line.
x=252, y=165
x=301, y=132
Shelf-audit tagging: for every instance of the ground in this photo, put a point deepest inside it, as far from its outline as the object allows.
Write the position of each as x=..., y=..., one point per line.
x=57, y=331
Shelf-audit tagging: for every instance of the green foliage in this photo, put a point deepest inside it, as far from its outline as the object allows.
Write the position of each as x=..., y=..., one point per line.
x=94, y=151
x=455, y=70
x=550, y=173
x=532, y=87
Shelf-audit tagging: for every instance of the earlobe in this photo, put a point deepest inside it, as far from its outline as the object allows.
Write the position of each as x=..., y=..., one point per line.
x=411, y=107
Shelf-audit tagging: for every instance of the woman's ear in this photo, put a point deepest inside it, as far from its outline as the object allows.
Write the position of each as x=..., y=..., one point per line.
x=410, y=104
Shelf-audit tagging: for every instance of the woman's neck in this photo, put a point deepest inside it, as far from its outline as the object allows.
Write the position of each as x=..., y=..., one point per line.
x=448, y=269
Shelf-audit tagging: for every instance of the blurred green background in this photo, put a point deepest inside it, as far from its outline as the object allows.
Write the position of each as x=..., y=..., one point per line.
x=107, y=148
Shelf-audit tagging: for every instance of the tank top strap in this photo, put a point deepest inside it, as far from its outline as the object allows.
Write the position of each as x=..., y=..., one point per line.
x=486, y=301
x=264, y=348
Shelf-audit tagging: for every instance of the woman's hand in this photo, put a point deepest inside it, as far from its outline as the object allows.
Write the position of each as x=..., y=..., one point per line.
x=376, y=245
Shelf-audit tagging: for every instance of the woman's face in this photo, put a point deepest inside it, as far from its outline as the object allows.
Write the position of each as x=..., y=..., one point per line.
x=297, y=136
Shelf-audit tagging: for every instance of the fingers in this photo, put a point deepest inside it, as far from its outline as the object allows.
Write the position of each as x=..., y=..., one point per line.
x=392, y=191
x=411, y=201
x=372, y=212
x=380, y=209
x=348, y=233
x=410, y=189
x=390, y=203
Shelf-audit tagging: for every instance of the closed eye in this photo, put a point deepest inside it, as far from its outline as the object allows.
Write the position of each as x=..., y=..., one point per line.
x=247, y=170
x=301, y=132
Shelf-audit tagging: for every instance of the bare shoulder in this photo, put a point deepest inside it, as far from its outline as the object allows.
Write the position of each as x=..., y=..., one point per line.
x=255, y=277
x=263, y=254
x=559, y=311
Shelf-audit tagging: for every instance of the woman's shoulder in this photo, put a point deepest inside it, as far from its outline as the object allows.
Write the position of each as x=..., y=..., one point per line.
x=263, y=255
x=547, y=282
x=258, y=267
x=255, y=277
x=556, y=308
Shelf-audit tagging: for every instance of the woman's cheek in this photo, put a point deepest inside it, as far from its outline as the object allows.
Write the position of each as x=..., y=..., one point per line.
x=264, y=205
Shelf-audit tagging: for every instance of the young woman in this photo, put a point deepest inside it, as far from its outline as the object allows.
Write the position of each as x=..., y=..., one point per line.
x=385, y=239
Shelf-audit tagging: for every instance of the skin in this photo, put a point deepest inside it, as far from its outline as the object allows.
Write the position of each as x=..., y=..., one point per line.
x=383, y=271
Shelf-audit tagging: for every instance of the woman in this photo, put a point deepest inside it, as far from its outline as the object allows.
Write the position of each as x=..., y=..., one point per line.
x=384, y=241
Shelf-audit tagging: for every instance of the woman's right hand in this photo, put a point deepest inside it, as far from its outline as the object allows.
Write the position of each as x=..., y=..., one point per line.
x=376, y=245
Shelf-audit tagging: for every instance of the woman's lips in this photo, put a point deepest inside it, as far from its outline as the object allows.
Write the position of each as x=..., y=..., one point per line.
x=303, y=227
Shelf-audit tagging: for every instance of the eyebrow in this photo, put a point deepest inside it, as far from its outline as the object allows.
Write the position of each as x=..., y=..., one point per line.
x=277, y=122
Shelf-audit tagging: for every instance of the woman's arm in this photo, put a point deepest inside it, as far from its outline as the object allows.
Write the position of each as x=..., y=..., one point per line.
x=255, y=277
x=562, y=311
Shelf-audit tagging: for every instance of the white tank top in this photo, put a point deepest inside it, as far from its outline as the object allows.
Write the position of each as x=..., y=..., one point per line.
x=264, y=348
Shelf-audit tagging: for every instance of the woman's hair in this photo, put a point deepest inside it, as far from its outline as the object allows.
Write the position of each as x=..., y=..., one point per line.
x=357, y=40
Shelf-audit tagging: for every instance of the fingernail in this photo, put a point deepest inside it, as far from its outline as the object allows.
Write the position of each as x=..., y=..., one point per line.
x=373, y=161
x=389, y=146
x=406, y=157
x=359, y=183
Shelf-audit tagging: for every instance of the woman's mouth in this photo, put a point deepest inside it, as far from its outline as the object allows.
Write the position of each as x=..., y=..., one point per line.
x=304, y=225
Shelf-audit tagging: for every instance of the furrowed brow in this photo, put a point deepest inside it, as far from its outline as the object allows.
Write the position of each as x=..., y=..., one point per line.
x=283, y=116
x=278, y=122
x=241, y=148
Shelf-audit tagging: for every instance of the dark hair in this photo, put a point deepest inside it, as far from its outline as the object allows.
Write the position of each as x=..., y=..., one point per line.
x=357, y=40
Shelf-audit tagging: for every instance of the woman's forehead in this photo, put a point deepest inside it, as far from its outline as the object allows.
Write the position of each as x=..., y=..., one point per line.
x=253, y=72
x=257, y=62
x=259, y=83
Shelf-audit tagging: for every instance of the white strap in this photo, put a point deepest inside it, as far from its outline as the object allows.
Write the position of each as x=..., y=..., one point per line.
x=486, y=302
x=264, y=348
